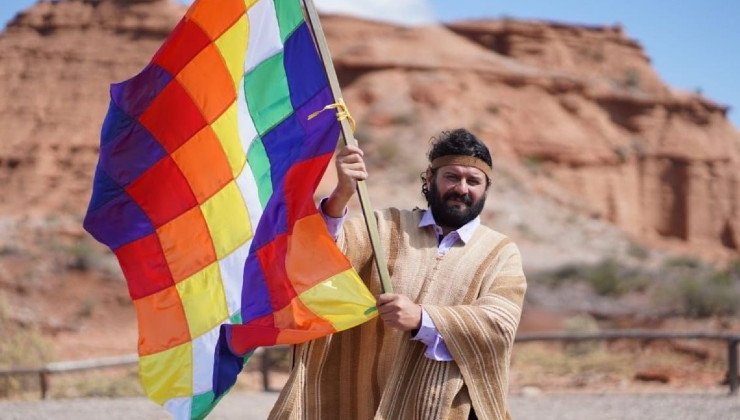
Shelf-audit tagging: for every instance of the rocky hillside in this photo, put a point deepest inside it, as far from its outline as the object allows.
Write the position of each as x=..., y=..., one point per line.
x=575, y=113
x=580, y=107
x=56, y=62
x=593, y=152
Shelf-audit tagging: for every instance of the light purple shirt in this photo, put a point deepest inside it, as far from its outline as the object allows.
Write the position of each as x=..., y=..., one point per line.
x=427, y=333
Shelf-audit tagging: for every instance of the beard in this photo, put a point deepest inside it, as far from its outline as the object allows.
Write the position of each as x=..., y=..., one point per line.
x=449, y=215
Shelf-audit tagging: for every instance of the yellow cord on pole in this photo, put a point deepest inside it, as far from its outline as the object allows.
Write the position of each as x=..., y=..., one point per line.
x=342, y=113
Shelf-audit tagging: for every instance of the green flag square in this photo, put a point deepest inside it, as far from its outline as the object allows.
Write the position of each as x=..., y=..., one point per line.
x=259, y=162
x=268, y=96
x=289, y=15
x=202, y=405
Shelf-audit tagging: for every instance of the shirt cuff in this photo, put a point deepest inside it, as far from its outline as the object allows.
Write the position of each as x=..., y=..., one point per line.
x=333, y=224
x=428, y=334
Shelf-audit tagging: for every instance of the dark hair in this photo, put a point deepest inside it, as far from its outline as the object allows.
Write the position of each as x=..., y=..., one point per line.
x=459, y=142
x=456, y=142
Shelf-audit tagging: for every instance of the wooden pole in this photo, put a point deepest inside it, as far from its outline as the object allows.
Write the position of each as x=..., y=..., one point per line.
x=349, y=139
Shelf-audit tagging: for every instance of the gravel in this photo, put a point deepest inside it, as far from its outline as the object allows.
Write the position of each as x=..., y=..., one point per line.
x=256, y=405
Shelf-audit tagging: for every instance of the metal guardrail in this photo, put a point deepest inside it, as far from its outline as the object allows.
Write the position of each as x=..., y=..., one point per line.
x=48, y=369
x=732, y=340
x=69, y=366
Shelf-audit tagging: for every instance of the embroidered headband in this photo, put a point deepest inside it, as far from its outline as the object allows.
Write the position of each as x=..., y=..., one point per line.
x=462, y=160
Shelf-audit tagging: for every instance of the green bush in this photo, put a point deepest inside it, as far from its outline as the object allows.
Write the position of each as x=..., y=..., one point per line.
x=607, y=278
x=684, y=286
x=713, y=294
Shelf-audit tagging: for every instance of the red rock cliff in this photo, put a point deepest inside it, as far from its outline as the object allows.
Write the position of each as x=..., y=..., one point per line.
x=580, y=104
x=576, y=111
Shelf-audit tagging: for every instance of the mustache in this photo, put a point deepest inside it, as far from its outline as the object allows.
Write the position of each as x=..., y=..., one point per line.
x=452, y=195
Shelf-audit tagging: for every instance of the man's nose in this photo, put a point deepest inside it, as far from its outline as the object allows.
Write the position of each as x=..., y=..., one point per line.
x=462, y=187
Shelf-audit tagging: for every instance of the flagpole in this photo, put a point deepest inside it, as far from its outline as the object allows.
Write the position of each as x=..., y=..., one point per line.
x=349, y=139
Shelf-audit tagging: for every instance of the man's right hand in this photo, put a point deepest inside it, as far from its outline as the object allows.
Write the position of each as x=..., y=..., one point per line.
x=350, y=169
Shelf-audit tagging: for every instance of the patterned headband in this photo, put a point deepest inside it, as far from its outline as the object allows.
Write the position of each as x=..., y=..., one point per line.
x=462, y=160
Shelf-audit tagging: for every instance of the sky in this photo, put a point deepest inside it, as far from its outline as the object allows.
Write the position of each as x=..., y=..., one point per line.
x=694, y=44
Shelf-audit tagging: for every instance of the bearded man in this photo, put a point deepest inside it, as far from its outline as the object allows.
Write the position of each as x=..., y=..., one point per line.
x=441, y=347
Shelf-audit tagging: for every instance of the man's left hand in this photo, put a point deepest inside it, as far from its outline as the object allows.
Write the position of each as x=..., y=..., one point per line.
x=399, y=312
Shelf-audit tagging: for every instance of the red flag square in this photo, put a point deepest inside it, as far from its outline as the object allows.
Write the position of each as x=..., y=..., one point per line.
x=144, y=266
x=162, y=192
x=172, y=118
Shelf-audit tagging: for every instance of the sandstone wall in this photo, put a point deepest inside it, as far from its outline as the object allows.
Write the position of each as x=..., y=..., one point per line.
x=677, y=171
x=57, y=60
x=572, y=112
x=579, y=106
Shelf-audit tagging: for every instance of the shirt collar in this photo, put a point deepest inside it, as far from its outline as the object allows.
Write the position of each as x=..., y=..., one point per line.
x=465, y=232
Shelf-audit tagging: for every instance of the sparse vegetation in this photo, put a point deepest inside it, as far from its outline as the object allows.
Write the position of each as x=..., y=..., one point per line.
x=20, y=346
x=684, y=262
x=610, y=279
x=81, y=256
x=548, y=362
x=546, y=366
x=101, y=383
x=87, y=307
x=534, y=164
x=592, y=54
x=579, y=324
x=631, y=79
x=682, y=286
x=526, y=231
x=713, y=293
x=637, y=251
x=607, y=278
x=622, y=153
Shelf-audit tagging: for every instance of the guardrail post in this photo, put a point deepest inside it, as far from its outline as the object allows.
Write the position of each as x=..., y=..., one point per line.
x=266, y=362
x=732, y=365
x=44, y=383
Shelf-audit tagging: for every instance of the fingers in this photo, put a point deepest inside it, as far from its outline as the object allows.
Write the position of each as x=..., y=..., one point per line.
x=386, y=298
x=353, y=159
x=391, y=304
x=350, y=158
x=351, y=150
x=398, y=311
x=350, y=167
x=354, y=170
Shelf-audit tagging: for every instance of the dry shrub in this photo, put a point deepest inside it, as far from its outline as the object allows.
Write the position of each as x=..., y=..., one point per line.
x=20, y=346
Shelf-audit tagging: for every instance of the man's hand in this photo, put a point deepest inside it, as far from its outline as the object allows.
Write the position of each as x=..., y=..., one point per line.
x=350, y=169
x=398, y=311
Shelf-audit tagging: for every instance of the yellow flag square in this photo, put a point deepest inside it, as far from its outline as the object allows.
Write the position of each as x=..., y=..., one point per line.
x=226, y=128
x=168, y=374
x=233, y=47
x=203, y=300
x=227, y=219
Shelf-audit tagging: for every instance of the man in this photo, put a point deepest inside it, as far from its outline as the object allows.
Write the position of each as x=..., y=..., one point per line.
x=440, y=348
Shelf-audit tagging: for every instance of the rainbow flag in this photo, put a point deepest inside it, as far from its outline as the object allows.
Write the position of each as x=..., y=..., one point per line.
x=204, y=191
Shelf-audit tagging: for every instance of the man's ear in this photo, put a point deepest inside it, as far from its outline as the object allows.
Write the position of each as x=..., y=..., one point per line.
x=429, y=177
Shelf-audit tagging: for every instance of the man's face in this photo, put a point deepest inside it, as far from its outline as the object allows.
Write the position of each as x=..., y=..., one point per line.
x=456, y=194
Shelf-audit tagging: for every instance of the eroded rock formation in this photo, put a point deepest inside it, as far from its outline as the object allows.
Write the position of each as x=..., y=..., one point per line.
x=573, y=112
x=580, y=105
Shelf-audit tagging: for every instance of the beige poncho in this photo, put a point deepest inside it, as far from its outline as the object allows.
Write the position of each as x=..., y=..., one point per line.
x=473, y=294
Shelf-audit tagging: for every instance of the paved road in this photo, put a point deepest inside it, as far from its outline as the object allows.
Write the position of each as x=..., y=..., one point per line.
x=255, y=406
